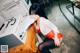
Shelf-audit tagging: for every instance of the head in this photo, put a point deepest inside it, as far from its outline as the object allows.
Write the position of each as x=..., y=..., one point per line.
x=37, y=10
x=34, y=9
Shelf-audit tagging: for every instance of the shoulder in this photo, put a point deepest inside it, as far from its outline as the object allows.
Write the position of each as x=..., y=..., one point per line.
x=42, y=18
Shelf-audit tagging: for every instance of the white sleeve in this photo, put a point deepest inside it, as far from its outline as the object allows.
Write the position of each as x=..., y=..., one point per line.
x=54, y=29
x=51, y=25
x=44, y=27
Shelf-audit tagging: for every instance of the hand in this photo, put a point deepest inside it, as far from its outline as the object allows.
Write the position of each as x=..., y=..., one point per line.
x=56, y=41
x=36, y=17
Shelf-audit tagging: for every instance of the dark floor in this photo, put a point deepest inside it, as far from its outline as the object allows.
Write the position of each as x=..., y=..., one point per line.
x=71, y=36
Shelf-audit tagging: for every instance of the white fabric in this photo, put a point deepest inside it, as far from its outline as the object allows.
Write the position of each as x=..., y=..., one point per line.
x=46, y=26
x=21, y=25
x=19, y=28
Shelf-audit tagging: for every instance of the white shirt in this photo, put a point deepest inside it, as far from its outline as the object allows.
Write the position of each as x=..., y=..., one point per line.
x=46, y=26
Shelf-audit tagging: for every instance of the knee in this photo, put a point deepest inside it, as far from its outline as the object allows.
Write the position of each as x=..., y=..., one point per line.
x=40, y=47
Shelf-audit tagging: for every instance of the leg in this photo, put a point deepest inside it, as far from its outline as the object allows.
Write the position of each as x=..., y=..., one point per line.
x=45, y=46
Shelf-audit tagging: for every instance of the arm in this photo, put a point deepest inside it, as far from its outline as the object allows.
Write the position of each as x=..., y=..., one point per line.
x=55, y=30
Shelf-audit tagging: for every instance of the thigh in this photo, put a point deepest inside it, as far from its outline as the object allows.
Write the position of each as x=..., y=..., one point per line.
x=48, y=44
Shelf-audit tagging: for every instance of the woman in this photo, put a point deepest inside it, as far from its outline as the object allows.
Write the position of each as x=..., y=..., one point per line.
x=52, y=36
